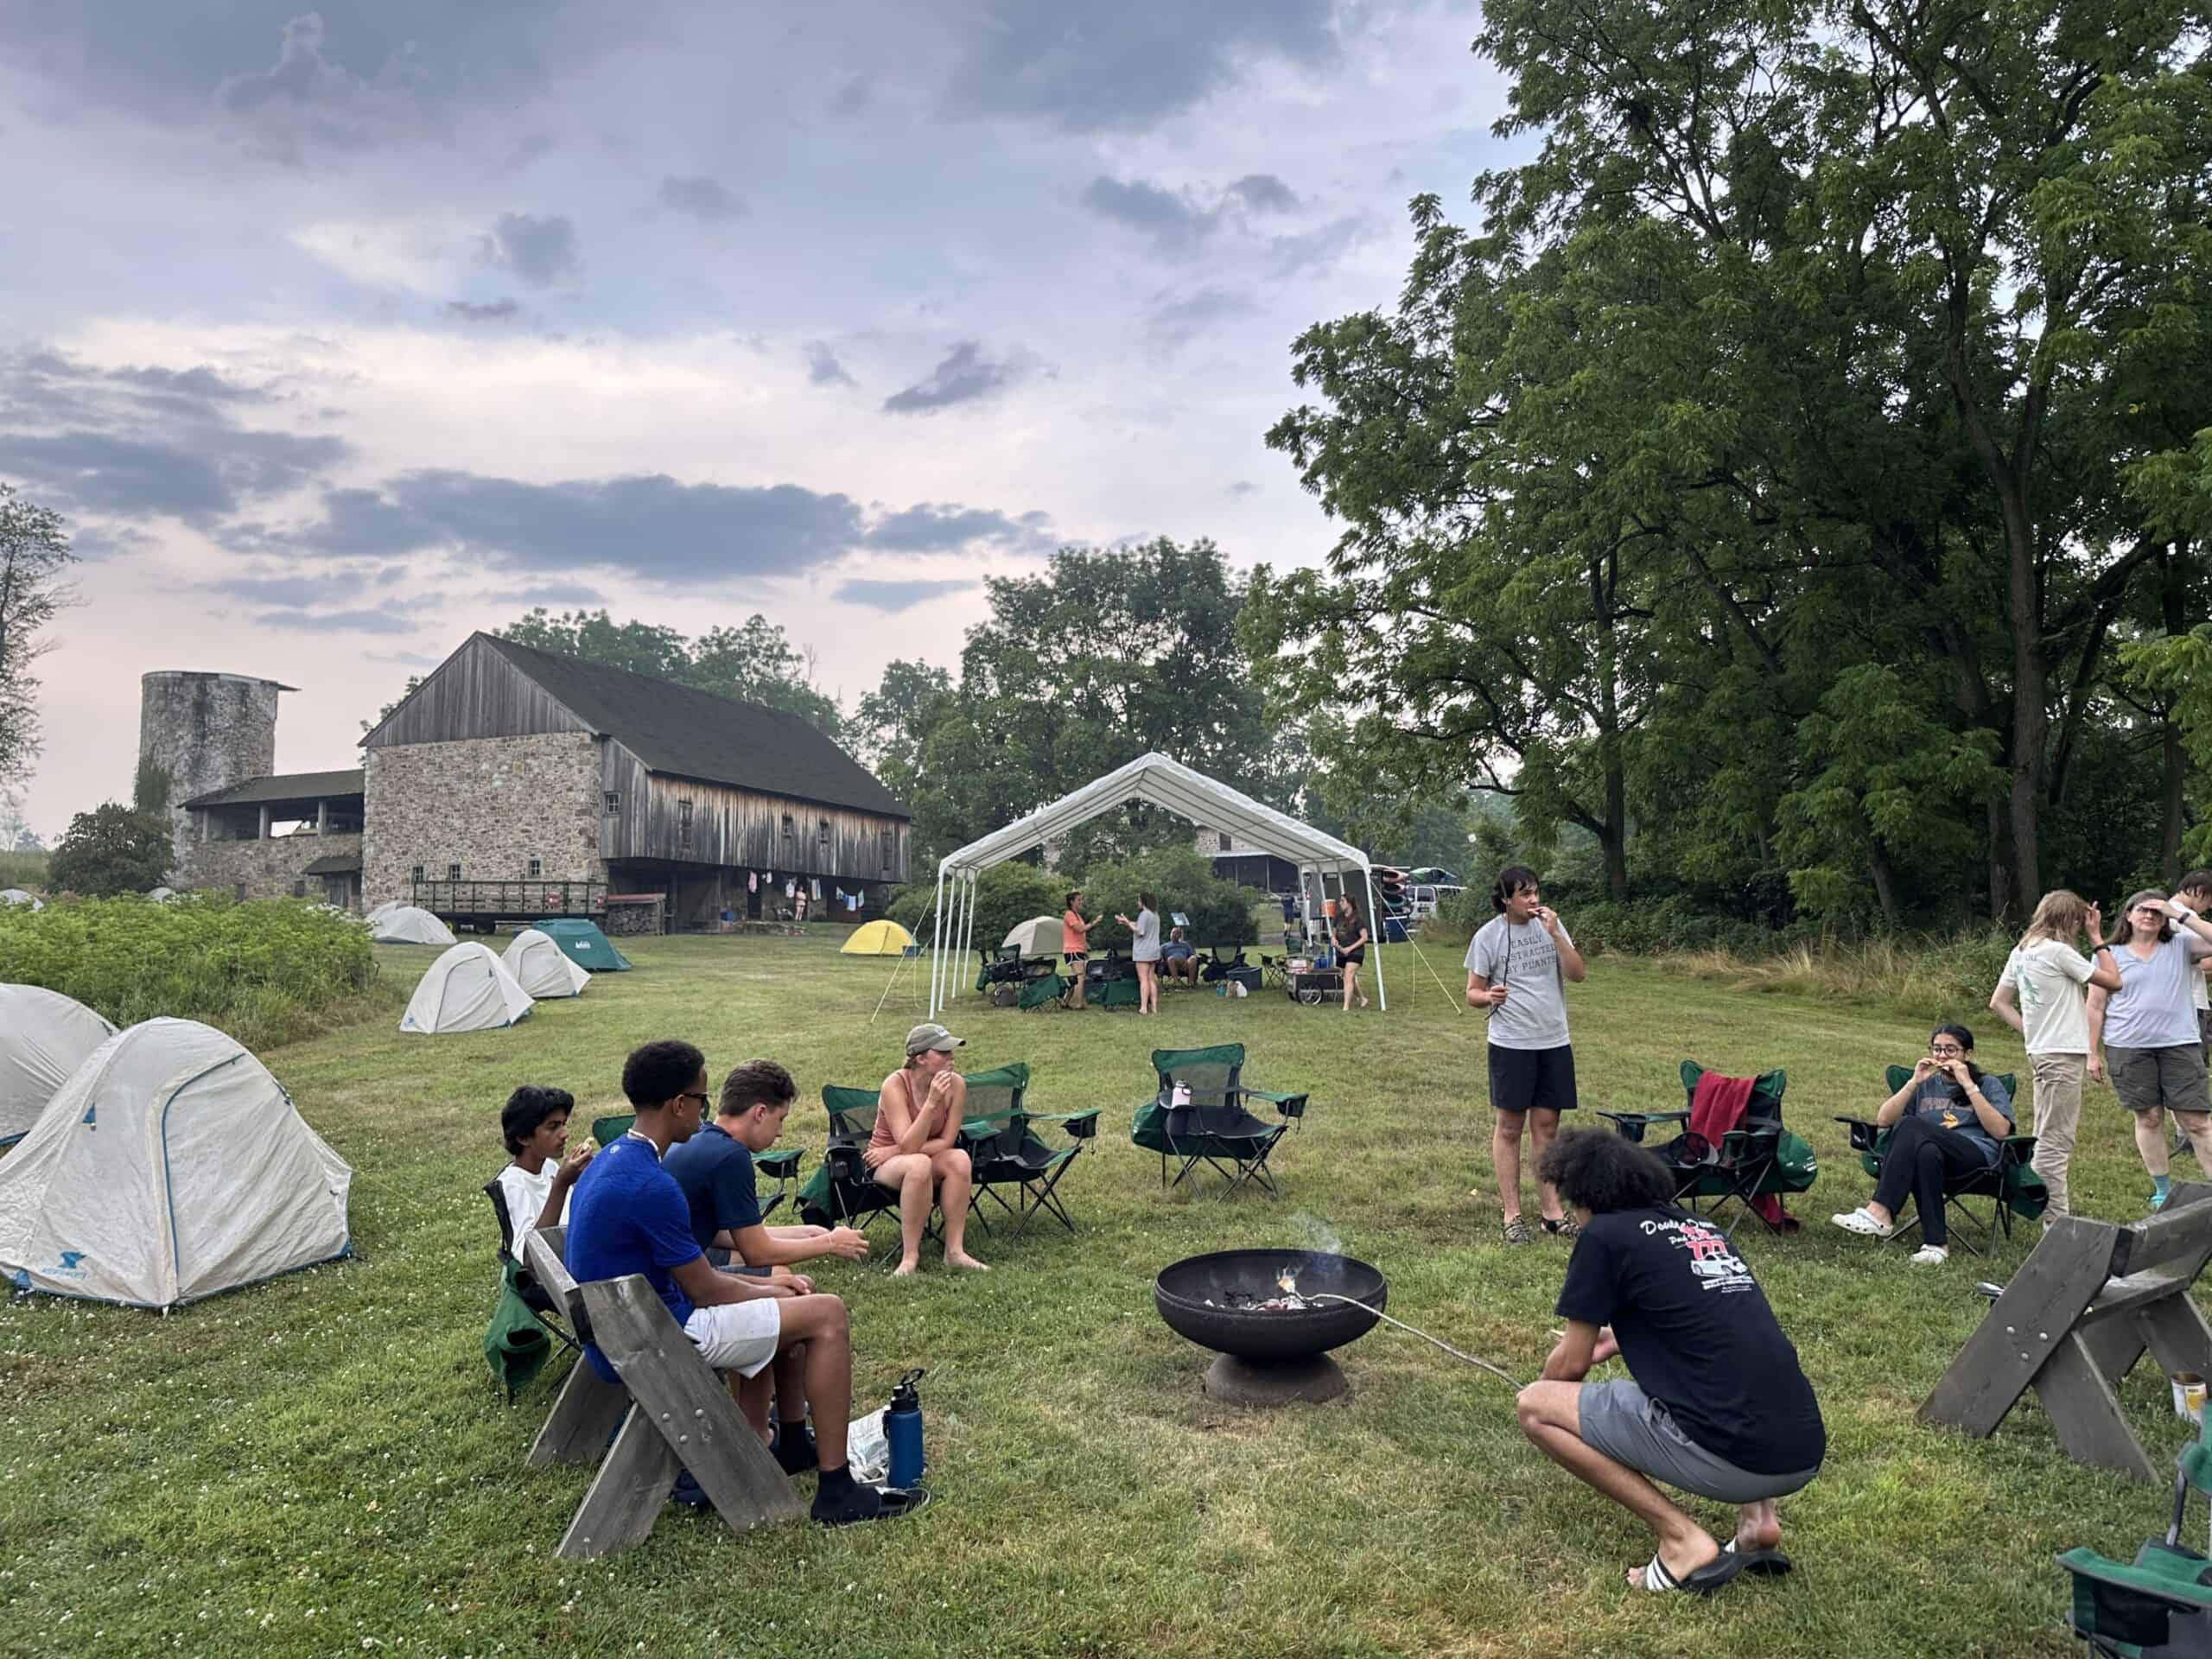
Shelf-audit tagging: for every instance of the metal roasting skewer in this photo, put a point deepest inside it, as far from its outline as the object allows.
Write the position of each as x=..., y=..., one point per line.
x=1332, y=1296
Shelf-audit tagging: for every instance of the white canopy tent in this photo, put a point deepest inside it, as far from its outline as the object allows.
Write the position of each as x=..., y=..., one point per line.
x=1163, y=783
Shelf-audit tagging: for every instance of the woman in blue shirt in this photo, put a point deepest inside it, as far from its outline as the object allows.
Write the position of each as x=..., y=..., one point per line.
x=1947, y=1120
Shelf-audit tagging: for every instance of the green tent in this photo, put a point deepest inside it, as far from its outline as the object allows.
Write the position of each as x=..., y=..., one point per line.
x=584, y=944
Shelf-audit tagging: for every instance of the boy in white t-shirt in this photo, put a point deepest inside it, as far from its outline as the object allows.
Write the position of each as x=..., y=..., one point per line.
x=2041, y=996
x=534, y=1125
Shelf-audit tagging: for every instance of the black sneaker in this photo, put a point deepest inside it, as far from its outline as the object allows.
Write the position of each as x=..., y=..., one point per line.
x=690, y=1492
x=795, y=1453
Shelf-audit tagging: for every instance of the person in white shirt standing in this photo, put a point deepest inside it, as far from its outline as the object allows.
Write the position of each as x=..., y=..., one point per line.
x=2040, y=995
x=1518, y=967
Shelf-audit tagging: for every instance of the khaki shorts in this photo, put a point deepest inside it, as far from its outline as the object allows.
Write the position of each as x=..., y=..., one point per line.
x=2147, y=1078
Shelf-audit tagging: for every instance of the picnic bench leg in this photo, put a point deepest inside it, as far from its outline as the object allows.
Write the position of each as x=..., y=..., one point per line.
x=2178, y=1335
x=1996, y=1363
x=583, y=1415
x=2085, y=1414
x=2114, y=1345
x=625, y=1495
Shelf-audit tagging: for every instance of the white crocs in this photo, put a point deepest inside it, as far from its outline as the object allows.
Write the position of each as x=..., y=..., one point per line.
x=1861, y=1220
x=1930, y=1256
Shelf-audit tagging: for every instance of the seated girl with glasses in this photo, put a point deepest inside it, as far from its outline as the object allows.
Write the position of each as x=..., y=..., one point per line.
x=1948, y=1121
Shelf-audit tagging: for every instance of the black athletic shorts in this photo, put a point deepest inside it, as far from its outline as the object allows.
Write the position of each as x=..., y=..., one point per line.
x=1355, y=956
x=1522, y=1079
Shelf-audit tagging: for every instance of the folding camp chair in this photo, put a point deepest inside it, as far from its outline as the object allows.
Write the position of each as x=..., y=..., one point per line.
x=1001, y=965
x=844, y=1191
x=1004, y=1150
x=1110, y=981
x=1756, y=1159
x=782, y=1166
x=534, y=1296
x=1226, y=962
x=2010, y=1184
x=2161, y=1603
x=1214, y=1128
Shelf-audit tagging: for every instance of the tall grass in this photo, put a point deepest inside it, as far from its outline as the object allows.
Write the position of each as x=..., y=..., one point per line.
x=268, y=971
x=1936, y=977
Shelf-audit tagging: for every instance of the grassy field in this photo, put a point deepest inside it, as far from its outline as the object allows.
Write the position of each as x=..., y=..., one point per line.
x=321, y=1464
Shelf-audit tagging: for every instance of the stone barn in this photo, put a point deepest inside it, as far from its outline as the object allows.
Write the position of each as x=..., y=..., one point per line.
x=512, y=778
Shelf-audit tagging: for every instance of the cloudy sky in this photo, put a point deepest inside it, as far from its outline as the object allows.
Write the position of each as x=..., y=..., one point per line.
x=339, y=334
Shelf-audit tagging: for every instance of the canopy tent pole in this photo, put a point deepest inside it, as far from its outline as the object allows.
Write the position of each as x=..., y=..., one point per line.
x=892, y=984
x=967, y=934
x=937, y=936
x=1382, y=995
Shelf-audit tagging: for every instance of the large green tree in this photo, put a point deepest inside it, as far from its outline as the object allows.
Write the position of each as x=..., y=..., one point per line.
x=113, y=848
x=753, y=663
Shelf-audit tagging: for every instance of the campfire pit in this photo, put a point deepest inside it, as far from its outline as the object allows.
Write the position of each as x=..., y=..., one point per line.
x=1271, y=1317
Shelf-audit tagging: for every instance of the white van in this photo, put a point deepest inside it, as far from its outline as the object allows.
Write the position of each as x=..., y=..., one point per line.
x=1421, y=902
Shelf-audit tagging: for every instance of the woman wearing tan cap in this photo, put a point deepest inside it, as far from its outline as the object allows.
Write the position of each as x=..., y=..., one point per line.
x=918, y=1115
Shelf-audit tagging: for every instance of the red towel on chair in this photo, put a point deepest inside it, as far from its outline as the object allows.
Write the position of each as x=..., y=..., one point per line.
x=1719, y=1106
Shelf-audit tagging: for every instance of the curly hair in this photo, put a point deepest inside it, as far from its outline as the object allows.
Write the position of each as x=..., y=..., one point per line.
x=526, y=1110
x=658, y=1073
x=1601, y=1172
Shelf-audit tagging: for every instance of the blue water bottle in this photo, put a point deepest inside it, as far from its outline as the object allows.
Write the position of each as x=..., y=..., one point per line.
x=902, y=1427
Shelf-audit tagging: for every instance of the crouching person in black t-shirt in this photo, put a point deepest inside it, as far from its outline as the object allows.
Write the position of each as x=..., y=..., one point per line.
x=1718, y=1405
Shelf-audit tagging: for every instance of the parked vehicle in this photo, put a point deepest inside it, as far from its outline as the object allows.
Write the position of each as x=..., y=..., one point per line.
x=1424, y=897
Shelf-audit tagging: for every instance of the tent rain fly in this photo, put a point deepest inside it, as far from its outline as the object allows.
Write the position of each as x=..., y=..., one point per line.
x=1161, y=782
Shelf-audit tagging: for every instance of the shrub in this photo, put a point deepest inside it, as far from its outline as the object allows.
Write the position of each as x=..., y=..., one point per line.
x=110, y=850
x=1006, y=895
x=265, y=971
x=25, y=870
x=1182, y=879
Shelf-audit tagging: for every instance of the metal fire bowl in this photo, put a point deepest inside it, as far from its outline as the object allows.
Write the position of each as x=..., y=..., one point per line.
x=1180, y=1293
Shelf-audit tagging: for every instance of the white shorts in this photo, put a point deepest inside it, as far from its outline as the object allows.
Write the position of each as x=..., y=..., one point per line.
x=739, y=1336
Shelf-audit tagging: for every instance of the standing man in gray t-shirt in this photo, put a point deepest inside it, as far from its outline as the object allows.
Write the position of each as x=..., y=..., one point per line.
x=1518, y=965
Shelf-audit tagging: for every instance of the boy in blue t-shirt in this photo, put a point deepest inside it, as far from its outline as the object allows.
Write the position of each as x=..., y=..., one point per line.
x=628, y=1215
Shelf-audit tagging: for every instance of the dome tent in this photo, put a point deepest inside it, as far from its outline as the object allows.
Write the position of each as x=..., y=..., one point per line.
x=17, y=896
x=407, y=924
x=468, y=988
x=877, y=938
x=44, y=1037
x=541, y=967
x=170, y=1166
x=1040, y=936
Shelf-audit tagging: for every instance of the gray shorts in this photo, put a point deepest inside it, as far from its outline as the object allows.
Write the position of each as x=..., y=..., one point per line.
x=1631, y=1428
x=2147, y=1078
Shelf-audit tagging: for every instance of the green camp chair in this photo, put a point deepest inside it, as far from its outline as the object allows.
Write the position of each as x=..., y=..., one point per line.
x=1005, y=1151
x=843, y=1191
x=1758, y=1158
x=2160, y=1604
x=779, y=1167
x=1214, y=1128
x=2011, y=1185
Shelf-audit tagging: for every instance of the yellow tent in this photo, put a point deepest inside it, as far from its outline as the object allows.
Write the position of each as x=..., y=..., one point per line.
x=882, y=938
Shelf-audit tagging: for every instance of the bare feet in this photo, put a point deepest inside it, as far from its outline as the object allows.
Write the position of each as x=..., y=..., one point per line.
x=908, y=1265
x=964, y=1260
x=1758, y=1527
x=1681, y=1557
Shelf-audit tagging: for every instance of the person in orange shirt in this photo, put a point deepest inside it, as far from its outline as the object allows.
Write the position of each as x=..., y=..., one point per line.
x=1074, y=945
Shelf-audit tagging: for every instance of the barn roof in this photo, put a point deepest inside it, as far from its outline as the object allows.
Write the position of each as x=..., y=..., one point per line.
x=284, y=786
x=674, y=729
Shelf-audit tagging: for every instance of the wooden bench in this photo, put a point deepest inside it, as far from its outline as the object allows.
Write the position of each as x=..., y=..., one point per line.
x=670, y=1413
x=2084, y=1306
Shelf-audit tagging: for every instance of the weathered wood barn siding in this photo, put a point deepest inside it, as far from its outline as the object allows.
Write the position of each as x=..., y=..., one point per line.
x=746, y=829
x=473, y=693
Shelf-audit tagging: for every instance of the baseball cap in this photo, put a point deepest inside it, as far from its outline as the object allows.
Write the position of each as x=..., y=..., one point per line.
x=929, y=1035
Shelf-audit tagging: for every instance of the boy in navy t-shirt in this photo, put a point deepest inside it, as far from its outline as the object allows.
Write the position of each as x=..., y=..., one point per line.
x=628, y=1215
x=1715, y=1402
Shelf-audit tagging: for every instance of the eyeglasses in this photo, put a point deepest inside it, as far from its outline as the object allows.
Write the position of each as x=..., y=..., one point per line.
x=1941, y=1050
x=701, y=1099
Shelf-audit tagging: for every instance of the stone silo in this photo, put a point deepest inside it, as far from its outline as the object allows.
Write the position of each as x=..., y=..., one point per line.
x=207, y=732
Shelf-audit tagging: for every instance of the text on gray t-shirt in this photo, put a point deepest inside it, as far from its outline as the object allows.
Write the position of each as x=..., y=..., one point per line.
x=1524, y=960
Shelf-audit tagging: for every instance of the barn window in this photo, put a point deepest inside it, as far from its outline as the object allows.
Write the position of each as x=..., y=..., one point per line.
x=538, y=867
x=418, y=875
x=238, y=892
x=791, y=831
x=890, y=850
x=822, y=834
x=1225, y=840
x=453, y=872
x=683, y=823
x=300, y=888
x=614, y=801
